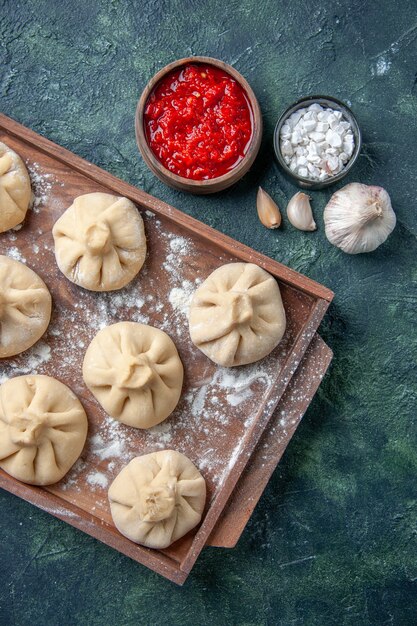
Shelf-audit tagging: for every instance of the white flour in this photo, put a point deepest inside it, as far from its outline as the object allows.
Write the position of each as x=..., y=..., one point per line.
x=106, y=449
x=218, y=405
x=232, y=384
x=97, y=479
x=15, y=254
x=28, y=363
x=180, y=297
x=114, y=436
x=180, y=245
x=179, y=250
x=161, y=434
x=41, y=185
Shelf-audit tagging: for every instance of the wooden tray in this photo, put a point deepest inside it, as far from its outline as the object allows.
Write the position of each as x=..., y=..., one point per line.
x=283, y=424
x=222, y=414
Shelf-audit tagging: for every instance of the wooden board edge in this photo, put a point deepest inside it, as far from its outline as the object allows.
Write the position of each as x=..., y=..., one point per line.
x=241, y=504
x=302, y=342
x=139, y=196
x=178, y=217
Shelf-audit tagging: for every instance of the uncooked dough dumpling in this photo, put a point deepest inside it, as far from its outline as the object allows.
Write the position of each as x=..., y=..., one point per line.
x=135, y=373
x=15, y=190
x=100, y=242
x=43, y=428
x=236, y=315
x=25, y=307
x=157, y=498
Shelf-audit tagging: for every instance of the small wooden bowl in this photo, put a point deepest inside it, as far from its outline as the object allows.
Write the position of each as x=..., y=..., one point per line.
x=185, y=184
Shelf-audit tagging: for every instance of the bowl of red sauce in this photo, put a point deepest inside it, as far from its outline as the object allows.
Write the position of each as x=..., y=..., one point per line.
x=198, y=125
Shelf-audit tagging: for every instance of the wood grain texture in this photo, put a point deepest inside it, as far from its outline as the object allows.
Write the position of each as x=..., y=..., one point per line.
x=77, y=318
x=245, y=496
x=271, y=447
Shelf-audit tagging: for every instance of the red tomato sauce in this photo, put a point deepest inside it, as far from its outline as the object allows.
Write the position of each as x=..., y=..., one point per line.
x=198, y=122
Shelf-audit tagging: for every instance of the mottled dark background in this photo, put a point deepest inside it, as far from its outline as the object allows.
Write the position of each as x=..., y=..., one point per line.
x=333, y=540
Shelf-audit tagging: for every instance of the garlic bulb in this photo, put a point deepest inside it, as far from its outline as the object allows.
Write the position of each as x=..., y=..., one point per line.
x=358, y=218
x=299, y=212
x=268, y=211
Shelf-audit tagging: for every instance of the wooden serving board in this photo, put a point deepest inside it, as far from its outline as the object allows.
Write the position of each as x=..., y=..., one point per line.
x=222, y=413
x=267, y=454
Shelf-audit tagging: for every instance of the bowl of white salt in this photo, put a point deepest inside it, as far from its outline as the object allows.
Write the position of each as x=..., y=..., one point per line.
x=317, y=141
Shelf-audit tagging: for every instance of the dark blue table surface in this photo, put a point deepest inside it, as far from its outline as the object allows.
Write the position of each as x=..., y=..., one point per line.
x=333, y=540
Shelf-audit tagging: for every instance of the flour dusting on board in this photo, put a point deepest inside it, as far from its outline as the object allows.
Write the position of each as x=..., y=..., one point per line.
x=218, y=406
x=180, y=297
x=28, y=363
x=160, y=436
x=111, y=441
x=41, y=185
x=97, y=479
x=14, y=253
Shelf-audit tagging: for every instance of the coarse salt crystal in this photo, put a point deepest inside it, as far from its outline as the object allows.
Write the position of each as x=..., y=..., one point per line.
x=333, y=163
x=313, y=170
x=333, y=138
x=322, y=127
x=315, y=107
x=316, y=142
x=317, y=137
x=295, y=117
x=310, y=125
x=286, y=131
x=287, y=148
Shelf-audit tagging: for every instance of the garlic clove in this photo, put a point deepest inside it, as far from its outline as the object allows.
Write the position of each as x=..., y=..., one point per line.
x=299, y=212
x=268, y=212
x=358, y=218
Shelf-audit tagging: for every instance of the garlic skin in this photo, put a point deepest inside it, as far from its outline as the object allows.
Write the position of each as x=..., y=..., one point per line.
x=299, y=212
x=268, y=212
x=358, y=218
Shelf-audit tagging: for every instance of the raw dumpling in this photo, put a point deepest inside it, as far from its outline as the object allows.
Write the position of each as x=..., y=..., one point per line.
x=25, y=307
x=43, y=428
x=15, y=190
x=236, y=315
x=100, y=242
x=135, y=373
x=157, y=498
